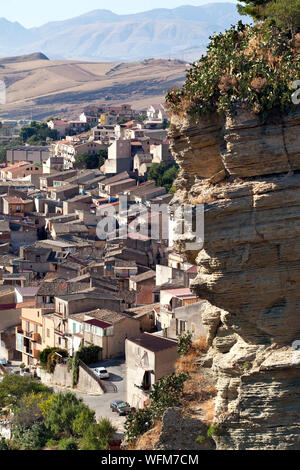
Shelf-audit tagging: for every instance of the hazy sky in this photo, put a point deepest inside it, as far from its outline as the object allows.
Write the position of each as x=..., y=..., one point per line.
x=37, y=12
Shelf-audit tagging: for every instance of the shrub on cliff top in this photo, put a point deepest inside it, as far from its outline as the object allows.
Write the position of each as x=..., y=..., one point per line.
x=248, y=67
x=286, y=13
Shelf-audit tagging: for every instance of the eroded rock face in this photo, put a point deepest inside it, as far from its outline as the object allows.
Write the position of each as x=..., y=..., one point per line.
x=182, y=433
x=246, y=173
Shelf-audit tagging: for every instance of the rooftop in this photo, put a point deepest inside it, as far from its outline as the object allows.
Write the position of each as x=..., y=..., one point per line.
x=144, y=276
x=98, y=323
x=108, y=316
x=27, y=291
x=153, y=343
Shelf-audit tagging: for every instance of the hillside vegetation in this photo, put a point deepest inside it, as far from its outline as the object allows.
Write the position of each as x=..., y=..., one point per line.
x=251, y=67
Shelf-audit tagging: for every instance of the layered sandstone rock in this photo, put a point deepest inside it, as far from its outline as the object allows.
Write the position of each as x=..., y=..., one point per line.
x=246, y=174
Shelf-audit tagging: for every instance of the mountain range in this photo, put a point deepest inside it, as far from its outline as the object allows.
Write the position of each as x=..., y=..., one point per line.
x=102, y=35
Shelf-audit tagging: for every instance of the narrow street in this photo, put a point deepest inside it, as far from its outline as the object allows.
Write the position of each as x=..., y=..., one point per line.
x=101, y=404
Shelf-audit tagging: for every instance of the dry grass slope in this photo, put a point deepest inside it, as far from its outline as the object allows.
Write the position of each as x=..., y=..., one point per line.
x=42, y=88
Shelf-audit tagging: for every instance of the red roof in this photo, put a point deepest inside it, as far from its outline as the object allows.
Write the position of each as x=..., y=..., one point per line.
x=182, y=292
x=193, y=269
x=98, y=323
x=16, y=165
x=13, y=200
x=129, y=123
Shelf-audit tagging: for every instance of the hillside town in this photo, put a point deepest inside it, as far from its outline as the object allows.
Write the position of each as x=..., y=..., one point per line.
x=64, y=286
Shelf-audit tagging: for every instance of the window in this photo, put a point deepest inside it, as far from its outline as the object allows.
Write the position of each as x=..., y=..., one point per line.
x=182, y=326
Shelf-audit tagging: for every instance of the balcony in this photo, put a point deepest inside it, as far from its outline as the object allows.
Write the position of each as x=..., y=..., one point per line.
x=34, y=337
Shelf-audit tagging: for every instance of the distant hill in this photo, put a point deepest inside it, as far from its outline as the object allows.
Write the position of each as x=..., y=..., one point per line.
x=38, y=88
x=102, y=35
x=24, y=58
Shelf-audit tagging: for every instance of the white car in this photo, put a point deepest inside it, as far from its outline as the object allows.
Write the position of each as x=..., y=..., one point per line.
x=102, y=373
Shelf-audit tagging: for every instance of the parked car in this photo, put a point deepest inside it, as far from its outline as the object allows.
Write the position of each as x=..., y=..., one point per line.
x=120, y=407
x=3, y=361
x=102, y=372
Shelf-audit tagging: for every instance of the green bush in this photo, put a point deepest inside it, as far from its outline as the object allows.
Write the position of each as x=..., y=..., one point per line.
x=37, y=134
x=14, y=387
x=285, y=12
x=68, y=415
x=184, y=343
x=166, y=393
x=164, y=174
x=91, y=161
x=246, y=365
x=67, y=444
x=138, y=423
x=4, y=445
x=200, y=439
x=97, y=436
x=54, y=357
x=52, y=443
x=213, y=430
x=33, y=438
x=249, y=67
x=89, y=354
x=75, y=371
x=44, y=355
x=83, y=419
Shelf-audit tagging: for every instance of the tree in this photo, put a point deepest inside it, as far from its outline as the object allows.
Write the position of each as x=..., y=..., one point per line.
x=67, y=444
x=4, y=445
x=14, y=387
x=82, y=421
x=32, y=438
x=138, y=423
x=37, y=134
x=97, y=436
x=169, y=177
x=184, y=343
x=164, y=174
x=91, y=161
x=286, y=13
x=29, y=409
x=63, y=415
x=254, y=8
x=166, y=393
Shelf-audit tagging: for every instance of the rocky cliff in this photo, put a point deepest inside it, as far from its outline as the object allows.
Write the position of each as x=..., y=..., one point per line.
x=247, y=175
